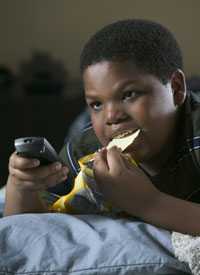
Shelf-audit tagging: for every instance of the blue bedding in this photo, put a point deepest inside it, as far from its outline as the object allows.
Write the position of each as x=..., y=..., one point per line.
x=2, y=199
x=60, y=244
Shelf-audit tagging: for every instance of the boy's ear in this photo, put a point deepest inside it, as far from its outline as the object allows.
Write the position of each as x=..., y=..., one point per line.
x=178, y=85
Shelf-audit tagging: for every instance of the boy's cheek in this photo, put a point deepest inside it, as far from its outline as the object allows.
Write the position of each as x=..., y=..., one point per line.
x=98, y=129
x=101, y=137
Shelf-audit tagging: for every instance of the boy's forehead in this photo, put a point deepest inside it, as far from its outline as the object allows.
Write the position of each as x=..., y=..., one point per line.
x=105, y=66
x=115, y=74
x=110, y=71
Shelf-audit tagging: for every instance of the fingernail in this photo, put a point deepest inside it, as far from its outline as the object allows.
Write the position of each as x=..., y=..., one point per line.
x=58, y=166
x=36, y=162
x=119, y=149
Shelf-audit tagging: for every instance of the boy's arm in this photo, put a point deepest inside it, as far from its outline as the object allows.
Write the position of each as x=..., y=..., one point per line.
x=129, y=189
x=22, y=201
x=173, y=214
x=25, y=182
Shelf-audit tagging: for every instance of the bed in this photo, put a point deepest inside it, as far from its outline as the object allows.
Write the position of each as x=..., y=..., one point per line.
x=60, y=244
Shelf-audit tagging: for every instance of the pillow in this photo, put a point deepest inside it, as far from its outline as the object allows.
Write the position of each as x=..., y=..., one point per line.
x=84, y=244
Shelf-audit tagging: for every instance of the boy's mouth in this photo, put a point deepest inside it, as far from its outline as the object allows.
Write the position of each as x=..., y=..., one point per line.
x=123, y=139
x=123, y=134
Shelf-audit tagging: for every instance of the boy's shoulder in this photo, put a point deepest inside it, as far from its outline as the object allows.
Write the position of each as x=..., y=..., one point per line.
x=180, y=177
x=193, y=111
x=195, y=96
x=189, y=125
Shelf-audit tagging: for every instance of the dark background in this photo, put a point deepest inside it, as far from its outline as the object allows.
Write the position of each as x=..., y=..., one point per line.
x=34, y=115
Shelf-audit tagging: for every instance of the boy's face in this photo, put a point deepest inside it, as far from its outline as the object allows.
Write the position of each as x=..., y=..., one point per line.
x=122, y=98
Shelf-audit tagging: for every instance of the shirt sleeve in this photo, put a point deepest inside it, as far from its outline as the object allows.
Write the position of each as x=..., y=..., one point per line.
x=72, y=150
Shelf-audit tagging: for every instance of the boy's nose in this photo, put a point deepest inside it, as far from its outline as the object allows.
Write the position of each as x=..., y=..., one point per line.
x=114, y=114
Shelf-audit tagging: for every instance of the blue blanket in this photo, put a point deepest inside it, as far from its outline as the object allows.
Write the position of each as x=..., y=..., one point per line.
x=60, y=244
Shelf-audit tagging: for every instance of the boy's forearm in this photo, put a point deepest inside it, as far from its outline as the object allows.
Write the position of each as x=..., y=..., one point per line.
x=20, y=201
x=174, y=214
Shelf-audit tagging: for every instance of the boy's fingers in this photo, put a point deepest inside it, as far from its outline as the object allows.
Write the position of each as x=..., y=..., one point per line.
x=33, y=183
x=115, y=160
x=18, y=162
x=100, y=165
x=39, y=173
x=44, y=171
x=50, y=181
x=54, y=179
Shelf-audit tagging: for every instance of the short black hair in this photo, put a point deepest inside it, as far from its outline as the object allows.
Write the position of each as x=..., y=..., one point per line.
x=149, y=45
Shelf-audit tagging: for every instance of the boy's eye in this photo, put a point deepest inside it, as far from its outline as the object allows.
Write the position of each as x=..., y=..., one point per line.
x=96, y=106
x=129, y=95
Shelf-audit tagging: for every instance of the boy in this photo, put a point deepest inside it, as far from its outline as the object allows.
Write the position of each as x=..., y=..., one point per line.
x=133, y=79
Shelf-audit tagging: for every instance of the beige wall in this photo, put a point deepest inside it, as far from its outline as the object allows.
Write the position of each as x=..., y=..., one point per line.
x=62, y=26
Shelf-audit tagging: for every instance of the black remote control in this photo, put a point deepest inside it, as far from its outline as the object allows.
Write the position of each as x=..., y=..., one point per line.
x=36, y=147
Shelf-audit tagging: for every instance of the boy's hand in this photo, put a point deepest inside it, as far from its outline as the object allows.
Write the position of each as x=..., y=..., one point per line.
x=124, y=185
x=27, y=175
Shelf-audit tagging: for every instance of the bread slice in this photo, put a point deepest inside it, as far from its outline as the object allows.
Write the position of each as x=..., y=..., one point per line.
x=123, y=142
